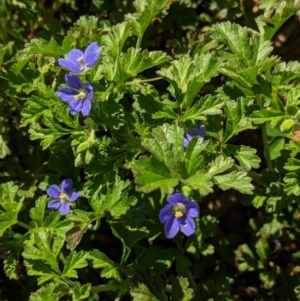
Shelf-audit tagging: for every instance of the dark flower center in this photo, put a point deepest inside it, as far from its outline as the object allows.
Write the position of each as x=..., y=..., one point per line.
x=179, y=210
x=63, y=197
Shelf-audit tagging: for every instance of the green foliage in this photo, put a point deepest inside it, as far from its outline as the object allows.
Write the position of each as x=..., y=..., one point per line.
x=11, y=204
x=166, y=69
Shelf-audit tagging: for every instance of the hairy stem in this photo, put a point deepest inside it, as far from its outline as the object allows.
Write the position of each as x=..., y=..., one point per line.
x=104, y=287
x=23, y=225
x=265, y=138
x=190, y=276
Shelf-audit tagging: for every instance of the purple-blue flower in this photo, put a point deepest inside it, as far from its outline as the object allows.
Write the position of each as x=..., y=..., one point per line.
x=78, y=95
x=178, y=215
x=78, y=61
x=62, y=196
x=193, y=133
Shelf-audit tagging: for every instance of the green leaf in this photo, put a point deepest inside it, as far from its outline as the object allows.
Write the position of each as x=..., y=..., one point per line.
x=205, y=227
x=36, y=107
x=112, y=197
x=75, y=261
x=219, y=165
x=4, y=149
x=245, y=155
x=193, y=158
x=275, y=15
x=48, y=135
x=147, y=286
x=252, y=50
x=181, y=290
x=236, y=180
x=146, y=10
x=157, y=259
x=167, y=146
x=276, y=146
x=237, y=119
x=128, y=236
x=207, y=105
x=263, y=116
x=131, y=63
x=187, y=77
x=200, y=181
x=43, y=48
x=268, y=278
x=10, y=205
x=81, y=292
x=247, y=259
x=110, y=269
x=46, y=290
x=37, y=268
x=37, y=213
x=235, y=37
x=182, y=264
x=292, y=183
x=10, y=265
x=115, y=39
x=150, y=174
x=47, y=247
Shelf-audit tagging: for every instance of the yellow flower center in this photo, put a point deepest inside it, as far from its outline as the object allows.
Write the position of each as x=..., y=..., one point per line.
x=81, y=95
x=63, y=197
x=178, y=214
x=179, y=210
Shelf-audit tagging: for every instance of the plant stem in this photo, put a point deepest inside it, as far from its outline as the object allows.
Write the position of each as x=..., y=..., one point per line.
x=104, y=288
x=265, y=138
x=137, y=81
x=15, y=102
x=189, y=275
x=150, y=79
x=23, y=225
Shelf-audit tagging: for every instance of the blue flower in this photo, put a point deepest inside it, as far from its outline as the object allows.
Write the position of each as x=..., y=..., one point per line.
x=194, y=133
x=178, y=215
x=61, y=197
x=78, y=96
x=79, y=62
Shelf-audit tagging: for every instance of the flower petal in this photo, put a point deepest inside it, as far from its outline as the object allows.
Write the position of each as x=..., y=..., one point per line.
x=177, y=198
x=73, y=81
x=192, y=209
x=165, y=213
x=202, y=130
x=187, y=226
x=64, y=209
x=66, y=186
x=185, y=143
x=66, y=94
x=54, y=204
x=53, y=191
x=91, y=54
x=86, y=108
x=72, y=66
x=89, y=88
x=171, y=227
x=74, y=196
x=75, y=106
x=75, y=55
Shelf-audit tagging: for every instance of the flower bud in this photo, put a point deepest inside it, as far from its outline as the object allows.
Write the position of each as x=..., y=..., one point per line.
x=292, y=110
x=287, y=125
x=186, y=190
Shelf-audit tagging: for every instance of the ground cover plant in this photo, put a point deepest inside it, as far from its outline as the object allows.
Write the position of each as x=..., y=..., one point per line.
x=149, y=150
